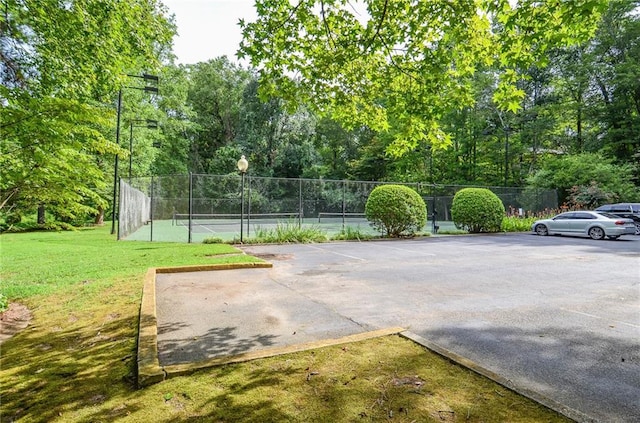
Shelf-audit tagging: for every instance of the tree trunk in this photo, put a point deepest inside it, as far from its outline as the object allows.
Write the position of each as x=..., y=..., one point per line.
x=41, y=218
x=579, y=129
x=100, y=217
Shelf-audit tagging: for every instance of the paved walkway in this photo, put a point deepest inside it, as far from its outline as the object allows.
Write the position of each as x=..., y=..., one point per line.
x=556, y=316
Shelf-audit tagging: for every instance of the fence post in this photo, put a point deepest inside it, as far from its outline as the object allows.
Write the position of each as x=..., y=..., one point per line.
x=190, y=205
x=344, y=201
x=300, y=209
x=119, y=209
x=249, y=206
x=151, y=212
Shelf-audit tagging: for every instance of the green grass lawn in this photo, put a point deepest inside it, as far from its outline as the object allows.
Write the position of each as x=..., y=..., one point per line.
x=76, y=361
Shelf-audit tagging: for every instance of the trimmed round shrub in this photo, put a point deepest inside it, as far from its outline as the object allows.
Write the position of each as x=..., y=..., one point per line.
x=477, y=210
x=396, y=210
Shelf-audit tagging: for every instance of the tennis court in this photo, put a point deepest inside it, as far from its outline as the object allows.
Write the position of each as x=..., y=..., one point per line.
x=192, y=208
x=227, y=227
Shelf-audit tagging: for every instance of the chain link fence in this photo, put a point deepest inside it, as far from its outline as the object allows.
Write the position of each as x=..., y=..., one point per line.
x=177, y=207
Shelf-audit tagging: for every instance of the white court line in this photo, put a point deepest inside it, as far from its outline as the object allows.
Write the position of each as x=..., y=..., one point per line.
x=599, y=317
x=200, y=226
x=338, y=254
x=210, y=230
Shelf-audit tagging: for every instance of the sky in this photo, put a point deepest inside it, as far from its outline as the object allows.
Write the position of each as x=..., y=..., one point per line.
x=208, y=28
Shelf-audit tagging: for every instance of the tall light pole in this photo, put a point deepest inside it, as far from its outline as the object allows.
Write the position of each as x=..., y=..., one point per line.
x=506, y=130
x=149, y=124
x=153, y=88
x=506, y=154
x=243, y=165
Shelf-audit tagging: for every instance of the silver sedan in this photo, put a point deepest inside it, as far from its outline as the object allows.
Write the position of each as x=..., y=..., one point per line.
x=596, y=225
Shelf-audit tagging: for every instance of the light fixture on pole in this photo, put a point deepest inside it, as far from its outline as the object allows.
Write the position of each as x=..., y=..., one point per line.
x=149, y=124
x=243, y=165
x=151, y=82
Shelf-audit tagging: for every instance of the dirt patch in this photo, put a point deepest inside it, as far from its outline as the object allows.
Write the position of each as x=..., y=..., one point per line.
x=13, y=320
x=271, y=256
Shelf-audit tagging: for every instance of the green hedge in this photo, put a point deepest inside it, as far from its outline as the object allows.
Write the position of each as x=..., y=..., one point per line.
x=477, y=210
x=396, y=210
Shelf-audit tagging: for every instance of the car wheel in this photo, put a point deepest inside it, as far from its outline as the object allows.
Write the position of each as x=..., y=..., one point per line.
x=637, y=228
x=542, y=230
x=596, y=233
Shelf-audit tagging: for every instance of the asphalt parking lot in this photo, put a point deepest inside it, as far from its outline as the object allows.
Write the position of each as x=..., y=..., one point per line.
x=558, y=316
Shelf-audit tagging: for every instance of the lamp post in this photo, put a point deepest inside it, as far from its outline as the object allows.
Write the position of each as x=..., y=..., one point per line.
x=243, y=165
x=148, y=79
x=149, y=124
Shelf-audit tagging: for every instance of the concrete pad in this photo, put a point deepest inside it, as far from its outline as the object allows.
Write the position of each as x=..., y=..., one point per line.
x=207, y=315
x=195, y=317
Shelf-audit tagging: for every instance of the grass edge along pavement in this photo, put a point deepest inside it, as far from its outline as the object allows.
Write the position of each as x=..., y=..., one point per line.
x=77, y=359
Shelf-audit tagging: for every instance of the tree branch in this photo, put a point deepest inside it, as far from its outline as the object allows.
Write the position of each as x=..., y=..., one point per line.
x=326, y=25
x=379, y=26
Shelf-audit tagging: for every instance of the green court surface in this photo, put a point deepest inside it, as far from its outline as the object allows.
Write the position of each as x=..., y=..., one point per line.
x=229, y=229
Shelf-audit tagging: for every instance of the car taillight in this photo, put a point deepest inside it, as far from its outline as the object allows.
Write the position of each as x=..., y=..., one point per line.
x=620, y=222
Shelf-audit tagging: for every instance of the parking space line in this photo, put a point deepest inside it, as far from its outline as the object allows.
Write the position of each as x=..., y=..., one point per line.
x=338, y=254
x=406, y=250
x=599, y=317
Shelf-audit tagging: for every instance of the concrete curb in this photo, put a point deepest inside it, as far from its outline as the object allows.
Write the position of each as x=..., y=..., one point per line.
x=185, y=369
x=464, y=362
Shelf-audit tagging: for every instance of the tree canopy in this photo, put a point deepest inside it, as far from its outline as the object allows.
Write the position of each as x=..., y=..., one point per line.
x=61, y=65
x=399, y=66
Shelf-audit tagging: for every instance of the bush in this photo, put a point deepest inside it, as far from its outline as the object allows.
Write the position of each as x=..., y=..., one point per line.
x=213, y=240
x=350, y=233
x=588, y=197
x=10, y=219
x=517, y=224
x=396, y=210
x=477, y=210
x=583, y=170
x=286, y=232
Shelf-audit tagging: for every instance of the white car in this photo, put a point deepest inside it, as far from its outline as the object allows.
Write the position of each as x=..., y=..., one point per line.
x=596, y=225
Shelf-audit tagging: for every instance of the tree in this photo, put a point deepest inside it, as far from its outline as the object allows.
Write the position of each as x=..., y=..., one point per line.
x=616, y=73
x=61, y=64
x=398, y=66
x=279, y=142
x=170, y=154
x=44, y=157
x=575, y=111
x=215, y=95
x=585, y=170
x=336, y=148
